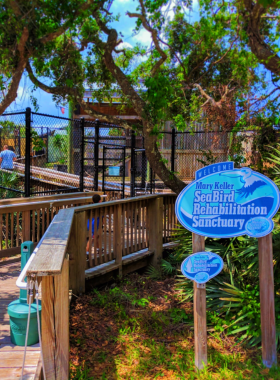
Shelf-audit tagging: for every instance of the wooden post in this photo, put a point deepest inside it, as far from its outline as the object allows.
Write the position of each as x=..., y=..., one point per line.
x=55, y=324
x=199, y=310
x=269, y=354
x=48, y=328
x=155, y=215
x=118, y=236
x=26, y=225
x=61, y=310
x=77, y=253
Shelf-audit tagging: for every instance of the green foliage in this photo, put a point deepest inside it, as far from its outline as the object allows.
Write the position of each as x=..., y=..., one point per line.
x=158, y=95
x=209, y=157
x=8, y=129
x=115, y=132
x=263, y=141
x=274, y=157
x=9, y=181
x=60, y=143
x=153, y=341
x=236, y=149
x=118, y=297
x=79, y=373
x=233, y=298
x=154, y=273
x=37, y=142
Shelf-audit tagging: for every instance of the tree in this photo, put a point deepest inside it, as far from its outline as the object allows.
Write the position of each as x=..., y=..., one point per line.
x=260, y=22
x=29, y=30
x=187, y=69
x=255, y=23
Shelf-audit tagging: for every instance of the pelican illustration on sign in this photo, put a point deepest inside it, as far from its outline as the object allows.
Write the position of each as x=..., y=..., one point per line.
x=228, y=202
x=251, y=182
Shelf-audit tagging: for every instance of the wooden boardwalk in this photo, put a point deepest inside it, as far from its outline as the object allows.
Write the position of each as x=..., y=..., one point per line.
x=11, y=356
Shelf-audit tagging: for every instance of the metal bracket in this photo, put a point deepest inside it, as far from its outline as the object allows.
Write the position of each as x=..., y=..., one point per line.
x=201, y=286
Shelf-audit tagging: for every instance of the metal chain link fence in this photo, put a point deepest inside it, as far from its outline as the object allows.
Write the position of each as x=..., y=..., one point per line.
x=69, y=155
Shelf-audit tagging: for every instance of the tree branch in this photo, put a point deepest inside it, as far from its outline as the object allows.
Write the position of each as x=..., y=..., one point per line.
x=51, y=36
x=12, y=90
x=15, y=7
x=154, y=35
x=262, y=98
x=205, y=95
x=64, y=91
x=59, y=90
x=259, y=47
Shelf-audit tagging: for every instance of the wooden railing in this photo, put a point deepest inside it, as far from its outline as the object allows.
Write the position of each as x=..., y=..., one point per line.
x=28, y=219
x=51, y=267
x=126, y=223
x=135, y=227
x=169, y=218
x=55, y=197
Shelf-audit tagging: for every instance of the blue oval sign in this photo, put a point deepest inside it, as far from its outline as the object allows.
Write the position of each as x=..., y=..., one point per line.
x=225, y=202
x=202, y=266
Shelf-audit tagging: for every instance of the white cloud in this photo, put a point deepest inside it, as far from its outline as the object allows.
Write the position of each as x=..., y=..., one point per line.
x=20, y=91
x=124, y=45
x=144, y=37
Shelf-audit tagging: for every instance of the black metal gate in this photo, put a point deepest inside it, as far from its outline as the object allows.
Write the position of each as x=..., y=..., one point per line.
x=103, y=165
x=144, y=181
x=113, y=169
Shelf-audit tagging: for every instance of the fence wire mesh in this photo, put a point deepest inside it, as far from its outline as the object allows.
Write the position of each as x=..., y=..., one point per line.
x=12, y=138
x=69, y=155
x=56, y=155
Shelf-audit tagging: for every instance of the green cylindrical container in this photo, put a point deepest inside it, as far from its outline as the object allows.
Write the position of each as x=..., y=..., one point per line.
x=18, y=309
x=18, y=312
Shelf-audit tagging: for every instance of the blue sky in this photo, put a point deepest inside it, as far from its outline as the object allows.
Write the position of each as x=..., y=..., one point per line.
x=125, y=25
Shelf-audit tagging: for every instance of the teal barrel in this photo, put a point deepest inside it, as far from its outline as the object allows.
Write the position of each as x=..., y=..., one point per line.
x=18, y=309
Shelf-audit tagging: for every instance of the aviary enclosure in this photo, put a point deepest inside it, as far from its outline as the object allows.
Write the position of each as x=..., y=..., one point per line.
x=69, y=155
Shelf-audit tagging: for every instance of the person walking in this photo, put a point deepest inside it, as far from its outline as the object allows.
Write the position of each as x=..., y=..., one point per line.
x=7, y=158
x=95, y=234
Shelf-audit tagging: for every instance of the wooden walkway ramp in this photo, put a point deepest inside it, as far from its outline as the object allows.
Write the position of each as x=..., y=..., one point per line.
x=11, y=356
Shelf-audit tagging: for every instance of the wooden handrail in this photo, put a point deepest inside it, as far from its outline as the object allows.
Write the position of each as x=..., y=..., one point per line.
x=44, y=204
x=18, y=222
x=122, y=201
x=13, y=201
x=51, y=254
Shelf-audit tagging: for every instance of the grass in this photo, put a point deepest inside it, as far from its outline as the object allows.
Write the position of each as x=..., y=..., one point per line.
x=138, y=329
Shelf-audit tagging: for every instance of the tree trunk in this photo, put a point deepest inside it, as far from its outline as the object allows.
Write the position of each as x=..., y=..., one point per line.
x=152, y=152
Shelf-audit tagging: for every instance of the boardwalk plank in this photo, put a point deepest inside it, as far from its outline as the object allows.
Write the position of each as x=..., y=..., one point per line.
x=11, y=356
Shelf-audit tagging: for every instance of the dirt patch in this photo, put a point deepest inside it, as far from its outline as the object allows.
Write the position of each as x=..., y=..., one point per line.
x=139, y=329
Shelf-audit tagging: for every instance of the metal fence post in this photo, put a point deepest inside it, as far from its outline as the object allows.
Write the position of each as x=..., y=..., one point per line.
x=133, y=168
x=144, y=169
x=82, y=150
x=151, y=180
x=103, y=168
x=96, y=155
x=173, y=148
x=27, y=151
x=19, y=147
x=123, y=179
x=47, y=145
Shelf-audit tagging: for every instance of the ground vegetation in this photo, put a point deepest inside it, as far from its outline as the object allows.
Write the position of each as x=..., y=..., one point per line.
x=141, y=328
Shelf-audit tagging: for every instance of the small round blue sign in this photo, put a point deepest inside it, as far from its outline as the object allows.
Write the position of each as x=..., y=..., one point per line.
x=202, y=266
x=225, y=202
